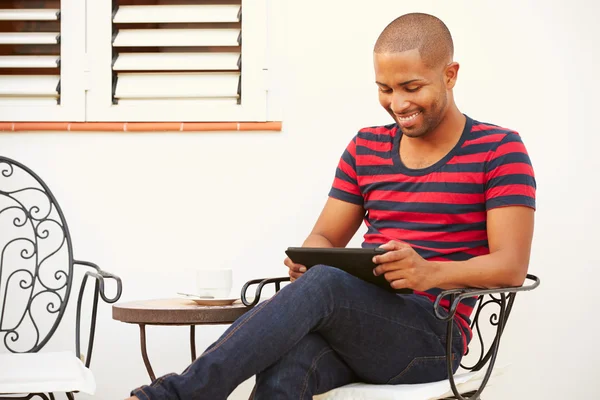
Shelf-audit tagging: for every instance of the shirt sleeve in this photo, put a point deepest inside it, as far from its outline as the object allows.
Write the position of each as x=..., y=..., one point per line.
x=345, y=185
x=510, y=180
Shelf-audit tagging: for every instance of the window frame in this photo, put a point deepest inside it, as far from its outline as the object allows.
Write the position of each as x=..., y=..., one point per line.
x=253, y=105
x=86, y=75
x=72, y=83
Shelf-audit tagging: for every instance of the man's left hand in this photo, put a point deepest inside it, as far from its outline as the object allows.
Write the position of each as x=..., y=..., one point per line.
x=403, y=267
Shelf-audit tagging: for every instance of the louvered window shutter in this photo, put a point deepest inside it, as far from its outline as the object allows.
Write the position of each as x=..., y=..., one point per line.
x=181, y=60
x=31, y=63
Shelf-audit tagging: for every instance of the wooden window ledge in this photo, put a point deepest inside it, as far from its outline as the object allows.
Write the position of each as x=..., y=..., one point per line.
x=139, y=126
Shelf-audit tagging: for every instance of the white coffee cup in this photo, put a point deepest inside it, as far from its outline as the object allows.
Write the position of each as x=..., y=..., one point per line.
x=214, y=282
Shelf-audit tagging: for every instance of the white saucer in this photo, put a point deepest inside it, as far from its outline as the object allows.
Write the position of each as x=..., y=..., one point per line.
x=209, y=301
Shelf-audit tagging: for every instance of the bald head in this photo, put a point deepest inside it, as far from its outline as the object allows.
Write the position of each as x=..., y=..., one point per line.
x=424, y=32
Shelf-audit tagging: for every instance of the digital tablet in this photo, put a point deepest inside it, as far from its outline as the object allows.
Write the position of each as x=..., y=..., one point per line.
x=358, y=262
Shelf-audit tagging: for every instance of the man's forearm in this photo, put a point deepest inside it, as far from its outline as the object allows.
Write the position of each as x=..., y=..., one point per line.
x=489, y=271
x=316, y=240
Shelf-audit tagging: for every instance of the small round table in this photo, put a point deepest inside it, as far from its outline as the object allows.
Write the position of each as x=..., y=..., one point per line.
x=174, y=312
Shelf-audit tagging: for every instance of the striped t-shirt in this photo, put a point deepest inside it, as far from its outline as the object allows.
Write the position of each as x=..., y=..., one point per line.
x=439, y=210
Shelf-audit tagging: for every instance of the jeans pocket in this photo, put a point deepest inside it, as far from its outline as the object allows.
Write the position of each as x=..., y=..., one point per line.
x=423, y=370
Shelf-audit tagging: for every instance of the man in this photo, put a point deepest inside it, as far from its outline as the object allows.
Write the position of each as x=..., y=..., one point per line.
x=452, y=199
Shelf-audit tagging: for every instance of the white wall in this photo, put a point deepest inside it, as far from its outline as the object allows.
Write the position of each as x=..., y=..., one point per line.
x=149, y=207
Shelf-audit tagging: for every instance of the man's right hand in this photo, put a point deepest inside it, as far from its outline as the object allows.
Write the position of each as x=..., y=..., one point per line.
x=296, y=270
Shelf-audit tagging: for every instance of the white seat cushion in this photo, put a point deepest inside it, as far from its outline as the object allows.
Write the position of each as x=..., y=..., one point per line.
x=424, y=391
x=44, y=373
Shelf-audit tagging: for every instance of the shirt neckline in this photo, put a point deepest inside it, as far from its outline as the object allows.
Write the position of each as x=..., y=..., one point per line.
x=423, y=171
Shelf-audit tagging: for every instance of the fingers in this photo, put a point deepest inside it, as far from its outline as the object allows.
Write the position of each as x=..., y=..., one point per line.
x=394, y=275
x=294, y=275
x=295, y=270
x=392, y=260
x=393, y=245
x=294, y=267
x=398, y=279
x=400, y=284
x=393, y=255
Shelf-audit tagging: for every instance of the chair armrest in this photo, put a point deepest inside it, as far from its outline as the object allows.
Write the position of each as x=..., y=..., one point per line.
x=99, y=290
x=99, y=275
x=457, y=295
x=261, y=283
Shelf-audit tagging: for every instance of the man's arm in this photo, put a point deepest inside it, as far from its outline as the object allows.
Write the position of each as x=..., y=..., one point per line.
x=336, y=225
x=342, y=214
x=338, y=222
x=510, y=232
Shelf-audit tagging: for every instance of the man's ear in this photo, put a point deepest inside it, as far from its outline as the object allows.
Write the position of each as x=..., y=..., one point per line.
x=451, y=74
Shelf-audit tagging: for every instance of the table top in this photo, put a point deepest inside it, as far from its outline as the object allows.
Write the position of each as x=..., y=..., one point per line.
x=176, y=311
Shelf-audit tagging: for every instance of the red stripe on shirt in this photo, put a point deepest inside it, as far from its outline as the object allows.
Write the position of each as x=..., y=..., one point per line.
x=439, y=258
x=425, y=197
x=376, y=238
x=511, y=169
x=352, y=149
x=486, y=127
x=373, y=145
x=475, y=252
x=347, y=169
x=380, y=130
x=364, y=160
x=507, y=148
x=478, y=251
x=460, y=249
x=444, y=177
x=462, y=308
x=429, y=218
x=469, y=158
x=346, y=186
x=494, y=138
x=510, y=190
x=442, y=237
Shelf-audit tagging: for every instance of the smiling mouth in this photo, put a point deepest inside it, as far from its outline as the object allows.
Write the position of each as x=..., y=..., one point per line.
x=409, y=117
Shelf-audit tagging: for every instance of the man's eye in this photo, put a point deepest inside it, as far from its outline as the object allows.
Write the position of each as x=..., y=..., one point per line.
x=382, y=90
x=413, y=89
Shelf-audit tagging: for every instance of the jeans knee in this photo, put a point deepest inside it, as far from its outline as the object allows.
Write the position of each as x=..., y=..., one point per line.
x=325, y=273
x=328, y=280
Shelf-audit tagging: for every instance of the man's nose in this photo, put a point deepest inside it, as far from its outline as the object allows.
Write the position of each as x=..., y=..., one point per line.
x=399, y=104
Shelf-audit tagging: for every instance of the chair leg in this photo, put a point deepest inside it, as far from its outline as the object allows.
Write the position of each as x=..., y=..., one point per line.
x=70, y=396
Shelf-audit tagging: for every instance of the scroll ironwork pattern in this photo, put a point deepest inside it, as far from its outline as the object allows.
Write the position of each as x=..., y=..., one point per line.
x=36, y=261
x=493, y=305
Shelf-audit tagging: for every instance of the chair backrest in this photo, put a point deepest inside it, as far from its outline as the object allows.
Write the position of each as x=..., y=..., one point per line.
x=491, y=312
x=36, y=260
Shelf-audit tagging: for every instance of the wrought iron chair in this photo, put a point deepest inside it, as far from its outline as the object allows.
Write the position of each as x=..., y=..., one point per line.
x=36, y=278
x=462, y=386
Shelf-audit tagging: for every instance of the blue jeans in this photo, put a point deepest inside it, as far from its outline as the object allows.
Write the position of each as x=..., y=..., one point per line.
x=325, y=330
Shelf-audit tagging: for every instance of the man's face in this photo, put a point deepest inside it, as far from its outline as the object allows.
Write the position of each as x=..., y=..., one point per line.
x=414, y=94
